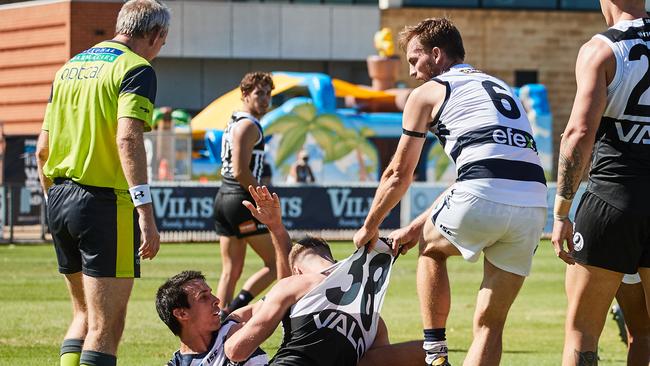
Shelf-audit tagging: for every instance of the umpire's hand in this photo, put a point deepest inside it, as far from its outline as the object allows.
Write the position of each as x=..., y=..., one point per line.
x=148, y=232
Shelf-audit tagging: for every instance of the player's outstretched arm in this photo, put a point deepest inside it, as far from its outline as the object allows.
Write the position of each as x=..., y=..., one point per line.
x=592, y=67
x=399, y=174
x=268, y=211
x=282, y=296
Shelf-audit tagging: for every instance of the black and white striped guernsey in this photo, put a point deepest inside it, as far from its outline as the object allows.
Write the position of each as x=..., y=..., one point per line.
x=230, y=184
x=215, y=355
x=620, y=169
x=336, y=322
x=484, y=129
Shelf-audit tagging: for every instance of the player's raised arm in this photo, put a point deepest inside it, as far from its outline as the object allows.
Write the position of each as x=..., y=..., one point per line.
x=268, y=211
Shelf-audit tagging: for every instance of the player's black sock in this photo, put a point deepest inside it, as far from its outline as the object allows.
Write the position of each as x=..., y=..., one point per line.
x=70, y=352
x=240, y=300
x=434, y=335
x=93, y=358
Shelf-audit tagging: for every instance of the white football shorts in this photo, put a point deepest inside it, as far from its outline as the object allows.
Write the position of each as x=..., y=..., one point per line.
x=508, y=235
x=631, y=279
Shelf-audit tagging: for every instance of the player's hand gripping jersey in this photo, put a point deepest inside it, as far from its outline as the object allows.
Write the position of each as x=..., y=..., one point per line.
x=484, y=129
x=215, y=356
x=336, y=322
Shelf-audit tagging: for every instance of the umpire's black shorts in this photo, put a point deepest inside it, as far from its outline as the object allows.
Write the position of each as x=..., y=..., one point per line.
x=95, y=230
x=231, y=218
x=606, y=237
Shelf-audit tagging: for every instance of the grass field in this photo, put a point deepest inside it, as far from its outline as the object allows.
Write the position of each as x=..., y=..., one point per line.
x=35, y=307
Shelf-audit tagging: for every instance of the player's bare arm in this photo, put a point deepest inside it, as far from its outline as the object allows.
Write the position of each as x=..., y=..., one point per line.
x=245, y=313
x=42, y=154
x=398, y=176
x=245, y=135
x=268, y=211
x=282, y=296
x=130, y=145
x=594, y=69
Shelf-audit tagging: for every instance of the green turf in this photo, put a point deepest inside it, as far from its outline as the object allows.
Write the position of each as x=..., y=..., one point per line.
x=35, y=307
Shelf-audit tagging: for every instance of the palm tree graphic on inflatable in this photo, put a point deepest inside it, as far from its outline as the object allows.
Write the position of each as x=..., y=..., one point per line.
x=328, y=131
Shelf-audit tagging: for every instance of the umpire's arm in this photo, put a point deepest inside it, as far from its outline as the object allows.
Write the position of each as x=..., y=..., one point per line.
x=130, y=145
x=42, y=154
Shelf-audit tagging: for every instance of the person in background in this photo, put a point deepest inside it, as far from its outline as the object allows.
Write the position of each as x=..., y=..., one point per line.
x=242, y=156
x=300, y=170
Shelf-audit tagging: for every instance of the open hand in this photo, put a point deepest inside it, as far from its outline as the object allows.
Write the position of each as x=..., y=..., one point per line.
x=267, y=206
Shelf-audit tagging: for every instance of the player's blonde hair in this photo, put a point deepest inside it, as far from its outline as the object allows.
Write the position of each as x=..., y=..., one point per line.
x=138, y=18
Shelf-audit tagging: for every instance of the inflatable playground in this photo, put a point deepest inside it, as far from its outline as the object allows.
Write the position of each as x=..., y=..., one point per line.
x=349, y=131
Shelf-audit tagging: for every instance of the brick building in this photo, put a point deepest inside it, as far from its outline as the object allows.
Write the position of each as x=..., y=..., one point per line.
x=36, y=38
x=209, y=48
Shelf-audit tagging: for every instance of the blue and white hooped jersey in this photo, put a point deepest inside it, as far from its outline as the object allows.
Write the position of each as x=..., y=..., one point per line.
x=484, y=129
x=215, y=355
x=336, y=322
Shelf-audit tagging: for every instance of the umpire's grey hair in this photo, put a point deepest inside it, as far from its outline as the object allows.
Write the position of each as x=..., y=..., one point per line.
x=138, y=18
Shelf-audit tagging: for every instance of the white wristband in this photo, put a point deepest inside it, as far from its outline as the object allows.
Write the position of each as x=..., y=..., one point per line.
x=140, y=195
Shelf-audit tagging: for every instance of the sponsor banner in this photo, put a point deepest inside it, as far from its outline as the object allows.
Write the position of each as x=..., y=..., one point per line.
x=191, y=208
x=179, y=208
x=21, y=176
x=421, y=197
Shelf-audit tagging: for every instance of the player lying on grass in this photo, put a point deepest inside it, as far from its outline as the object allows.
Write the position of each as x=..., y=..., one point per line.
x=329, y=310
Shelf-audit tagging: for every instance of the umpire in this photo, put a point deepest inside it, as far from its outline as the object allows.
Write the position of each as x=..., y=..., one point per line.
x=92, y=165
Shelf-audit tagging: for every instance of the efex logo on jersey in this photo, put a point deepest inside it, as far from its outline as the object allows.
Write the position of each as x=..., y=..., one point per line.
x=513, y=137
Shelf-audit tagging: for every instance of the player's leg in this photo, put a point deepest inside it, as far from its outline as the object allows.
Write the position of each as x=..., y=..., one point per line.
x=60, y=204
x=110, y=264
x=497, y=293
x=590, y=291
x=506, y=264
x=107, y=300
x=433, y=290
x=233, y=254
x=606, y=245
x=631, y=299
x=74, y=337
x=644, y=273
x=261, y=279
x=403, y=354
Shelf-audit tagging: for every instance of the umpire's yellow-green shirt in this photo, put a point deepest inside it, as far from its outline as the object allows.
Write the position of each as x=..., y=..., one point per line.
x=89, y=94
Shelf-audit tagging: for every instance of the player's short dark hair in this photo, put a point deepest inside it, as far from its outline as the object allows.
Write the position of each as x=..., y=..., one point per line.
x=171, y=295
x=435, y=32
x=255, y=79
x=310, y=245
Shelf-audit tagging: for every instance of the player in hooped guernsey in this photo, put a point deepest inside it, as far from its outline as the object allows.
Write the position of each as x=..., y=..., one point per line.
x=497, y=205
x=610, y=122
x=484, y=130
